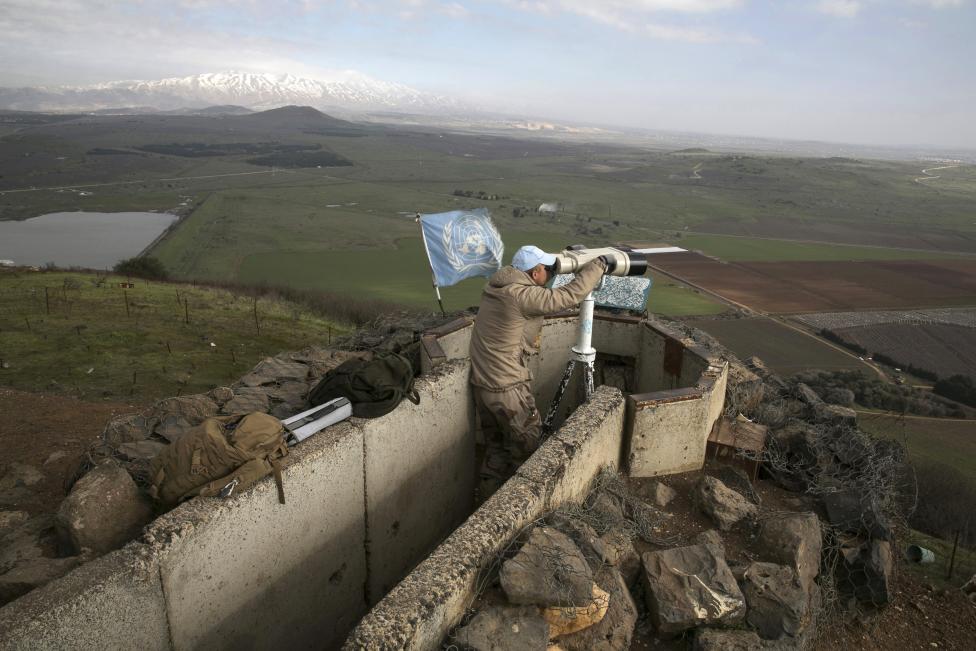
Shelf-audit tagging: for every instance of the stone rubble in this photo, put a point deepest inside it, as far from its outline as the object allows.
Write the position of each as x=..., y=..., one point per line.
x=722, y=504
x=548, y=570
x=689, y=587
x=104, y=510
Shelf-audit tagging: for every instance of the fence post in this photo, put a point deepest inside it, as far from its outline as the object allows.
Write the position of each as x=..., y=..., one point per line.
x=952, y=558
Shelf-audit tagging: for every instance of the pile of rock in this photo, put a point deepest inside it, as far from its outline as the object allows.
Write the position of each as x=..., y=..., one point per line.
x=818, y=450
x=107, y=505
x=571, y=587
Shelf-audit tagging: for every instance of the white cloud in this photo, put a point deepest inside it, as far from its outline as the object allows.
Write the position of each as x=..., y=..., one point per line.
x=940, y=4
x=840, y=8
x=633, y=17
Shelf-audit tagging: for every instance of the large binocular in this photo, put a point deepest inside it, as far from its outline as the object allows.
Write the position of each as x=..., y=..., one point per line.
x=621, y=261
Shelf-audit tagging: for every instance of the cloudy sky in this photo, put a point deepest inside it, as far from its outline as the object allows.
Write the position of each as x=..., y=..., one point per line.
x=865, y=71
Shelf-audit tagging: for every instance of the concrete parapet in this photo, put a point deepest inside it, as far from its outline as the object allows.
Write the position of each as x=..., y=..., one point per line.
x=250, y=572
x=420, y=474
x=422, y=608
x=667, y=432
x=113, y=602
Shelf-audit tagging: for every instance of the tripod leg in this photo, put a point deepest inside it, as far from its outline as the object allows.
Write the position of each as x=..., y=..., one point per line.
x=588, y=379
x=560, y=391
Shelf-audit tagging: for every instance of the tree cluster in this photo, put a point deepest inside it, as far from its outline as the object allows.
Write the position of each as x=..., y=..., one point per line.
x=869, y=392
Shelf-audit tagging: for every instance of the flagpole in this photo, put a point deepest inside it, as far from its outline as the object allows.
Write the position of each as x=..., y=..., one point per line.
x=433, y=276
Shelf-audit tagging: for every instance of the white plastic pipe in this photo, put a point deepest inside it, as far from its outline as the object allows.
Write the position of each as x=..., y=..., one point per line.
x=584, y=344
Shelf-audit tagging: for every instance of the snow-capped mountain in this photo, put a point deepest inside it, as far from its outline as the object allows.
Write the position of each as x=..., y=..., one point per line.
x=350, y=90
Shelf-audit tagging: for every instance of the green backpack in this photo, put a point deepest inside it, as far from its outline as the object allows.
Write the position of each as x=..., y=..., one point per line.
x=220, y=456
x=374, y=387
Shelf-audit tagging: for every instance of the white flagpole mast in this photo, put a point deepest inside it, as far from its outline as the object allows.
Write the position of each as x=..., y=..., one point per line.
x=433, y=276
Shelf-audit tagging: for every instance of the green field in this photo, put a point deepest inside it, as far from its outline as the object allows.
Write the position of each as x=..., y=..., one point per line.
x=945, y=441
x=71, y=333
x=343, y=227
x=402, y=274
x=783, y=349
x=750, y=249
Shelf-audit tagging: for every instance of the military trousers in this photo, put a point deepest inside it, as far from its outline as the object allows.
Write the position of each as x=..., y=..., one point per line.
x=512, y=430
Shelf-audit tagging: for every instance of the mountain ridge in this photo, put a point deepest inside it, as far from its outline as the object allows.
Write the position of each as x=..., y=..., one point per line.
x=255, y=91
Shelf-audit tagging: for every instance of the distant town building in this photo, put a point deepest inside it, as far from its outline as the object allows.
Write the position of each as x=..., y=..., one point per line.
x=548, y=208
x=7, y=263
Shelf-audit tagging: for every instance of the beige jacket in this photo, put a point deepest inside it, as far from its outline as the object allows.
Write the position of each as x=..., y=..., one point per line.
x=510, y=319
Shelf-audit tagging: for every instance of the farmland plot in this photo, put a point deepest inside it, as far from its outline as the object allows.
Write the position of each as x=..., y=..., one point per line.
x=783, y=349
x=836, y=320
x=943, y=348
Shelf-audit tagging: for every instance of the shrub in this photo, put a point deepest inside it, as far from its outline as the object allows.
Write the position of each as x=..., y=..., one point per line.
x=144, y=267
x=959, y=388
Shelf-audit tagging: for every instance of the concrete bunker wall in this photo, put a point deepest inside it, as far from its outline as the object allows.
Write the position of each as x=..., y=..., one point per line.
x=366, y=501
x=422, y=608
x=684, y=393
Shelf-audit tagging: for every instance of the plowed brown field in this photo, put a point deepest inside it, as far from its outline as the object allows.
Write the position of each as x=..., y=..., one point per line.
x=791, y=287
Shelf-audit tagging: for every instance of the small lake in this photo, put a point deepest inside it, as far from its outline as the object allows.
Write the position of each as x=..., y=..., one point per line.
x=80, y=239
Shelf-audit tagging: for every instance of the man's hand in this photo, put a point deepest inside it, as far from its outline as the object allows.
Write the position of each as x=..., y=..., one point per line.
x=609, y=264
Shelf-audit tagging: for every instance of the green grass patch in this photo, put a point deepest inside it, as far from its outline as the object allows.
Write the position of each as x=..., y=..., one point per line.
x=402, y=274
x=751, y=249
x=70, y=333
x=945, y=441
x=936, y=573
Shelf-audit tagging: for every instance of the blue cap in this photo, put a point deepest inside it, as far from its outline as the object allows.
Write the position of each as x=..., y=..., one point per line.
x=526, y=258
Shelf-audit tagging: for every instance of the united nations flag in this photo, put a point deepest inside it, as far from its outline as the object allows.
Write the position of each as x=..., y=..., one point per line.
x=461, y=244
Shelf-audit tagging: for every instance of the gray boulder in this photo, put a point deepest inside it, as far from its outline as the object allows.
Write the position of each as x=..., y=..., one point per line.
x=807, y=395
x=835, y=415
x=853, y=511
x=27, y=541
x=272, y=369
x=745, y=389
x=615, y=631
x=141, y=450
x=247, y=400
x=607, y=507
x=548, y=570
x=867, y=571
x=20, y=475
x=737, y=479
x=793, y=540
x=290, y=392
x=171, y=417
x=662, y=494
x=723, y=505
x=220, y=395
x=616, y=549
x=31, y=574
x=123, y=429
x=712, y=540
x=103, y=511
x=499, y=628
x=688, y=587
x=778, y=602
x=797, y=456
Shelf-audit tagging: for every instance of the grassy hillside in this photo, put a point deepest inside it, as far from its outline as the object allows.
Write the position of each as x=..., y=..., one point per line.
x=931, y=440
x=308, y=226
x=72, y=333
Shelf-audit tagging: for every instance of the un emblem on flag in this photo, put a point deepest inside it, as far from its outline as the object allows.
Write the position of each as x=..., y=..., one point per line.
x=472, y=243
